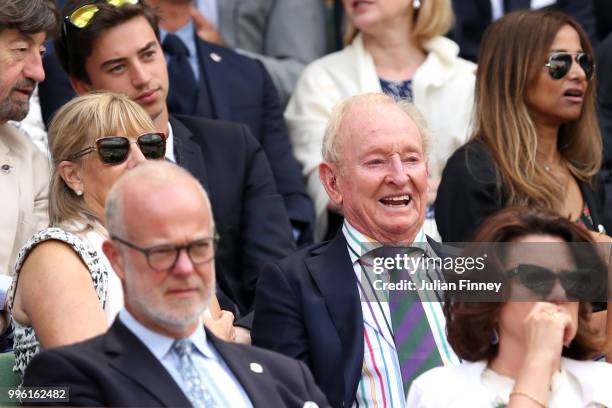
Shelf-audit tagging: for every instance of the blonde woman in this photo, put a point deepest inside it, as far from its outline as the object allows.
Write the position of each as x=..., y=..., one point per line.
x=394, y=46
x=64, y=289
x=536, y=140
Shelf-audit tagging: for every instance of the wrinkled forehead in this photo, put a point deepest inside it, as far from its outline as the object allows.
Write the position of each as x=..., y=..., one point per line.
x=378, y=128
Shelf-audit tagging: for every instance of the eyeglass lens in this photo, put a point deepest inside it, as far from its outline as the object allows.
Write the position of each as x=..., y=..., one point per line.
x=560, y=64
x=199, y=252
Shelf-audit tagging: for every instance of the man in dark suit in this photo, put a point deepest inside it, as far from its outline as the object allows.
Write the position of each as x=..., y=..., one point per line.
x=157, y=352
x=119, y=50
x=473, y=16
x=221, y=84
x=308, y=305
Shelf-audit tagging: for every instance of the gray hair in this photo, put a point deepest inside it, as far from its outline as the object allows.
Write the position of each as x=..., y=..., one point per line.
x=30, y=16
x=336, y=125
x=153, y=173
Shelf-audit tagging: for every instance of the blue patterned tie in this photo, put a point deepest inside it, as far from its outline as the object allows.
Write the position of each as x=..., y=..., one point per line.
x=183, y=92
x=197, y=393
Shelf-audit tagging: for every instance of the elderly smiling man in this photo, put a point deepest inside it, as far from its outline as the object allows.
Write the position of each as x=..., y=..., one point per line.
x=308, y=305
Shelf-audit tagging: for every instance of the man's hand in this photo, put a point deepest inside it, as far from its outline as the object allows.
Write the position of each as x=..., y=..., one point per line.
x=205, y=29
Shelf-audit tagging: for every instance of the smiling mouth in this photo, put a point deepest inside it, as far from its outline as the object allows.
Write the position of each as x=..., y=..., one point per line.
x=396, y=201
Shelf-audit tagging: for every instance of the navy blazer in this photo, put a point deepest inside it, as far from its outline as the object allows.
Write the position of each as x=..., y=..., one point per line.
x=308, y=307
x=239, y=89
x=117, y=370
x=473, y=16
x=249, y=214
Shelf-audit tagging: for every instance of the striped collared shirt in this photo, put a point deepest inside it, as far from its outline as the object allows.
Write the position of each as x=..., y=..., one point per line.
x=380, y=385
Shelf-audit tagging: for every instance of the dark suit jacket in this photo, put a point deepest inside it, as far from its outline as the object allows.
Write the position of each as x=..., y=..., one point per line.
x=117, y=370
x=308, y=307
x=473, y=16
x=469, y=193
x=249, y=215
x=239, y=89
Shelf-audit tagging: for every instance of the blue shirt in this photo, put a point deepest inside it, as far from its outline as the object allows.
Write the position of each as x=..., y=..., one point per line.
x=215, y=374
x=187, y=34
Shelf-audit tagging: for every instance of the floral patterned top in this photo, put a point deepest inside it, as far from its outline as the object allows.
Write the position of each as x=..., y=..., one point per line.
x=26, y=344
x=397, y=89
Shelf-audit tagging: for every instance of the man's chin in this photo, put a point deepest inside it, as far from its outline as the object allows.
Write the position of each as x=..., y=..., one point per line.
x=16, y=111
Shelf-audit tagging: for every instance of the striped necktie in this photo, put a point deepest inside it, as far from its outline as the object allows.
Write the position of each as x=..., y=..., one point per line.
x=414, y=341
x=197, y=393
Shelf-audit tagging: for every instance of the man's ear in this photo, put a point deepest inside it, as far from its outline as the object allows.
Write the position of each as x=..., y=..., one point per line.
x=70, y=172
x=114, y=257
x=79, y=86
x=328, y=175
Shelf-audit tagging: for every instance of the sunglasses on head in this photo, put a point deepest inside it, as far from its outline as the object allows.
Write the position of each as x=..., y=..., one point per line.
x=115, y=149
x=81, y=17
x=578, y=284
x=560, y=63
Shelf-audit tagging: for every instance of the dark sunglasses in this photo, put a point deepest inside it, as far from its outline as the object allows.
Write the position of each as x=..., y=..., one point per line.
x=560, y=63
x=81, y=17
x=578, y=284
x=115, y=149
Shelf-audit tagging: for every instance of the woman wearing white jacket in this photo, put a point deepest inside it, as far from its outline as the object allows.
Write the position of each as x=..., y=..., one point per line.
x=395, y=47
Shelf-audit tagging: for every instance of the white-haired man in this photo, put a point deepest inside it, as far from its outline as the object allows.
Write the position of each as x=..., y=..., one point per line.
x=375, y=169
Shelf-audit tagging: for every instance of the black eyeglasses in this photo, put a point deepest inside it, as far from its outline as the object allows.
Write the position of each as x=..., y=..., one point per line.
x=560, y=63
x=164, y=257
x=115, y=150
x=579, y=284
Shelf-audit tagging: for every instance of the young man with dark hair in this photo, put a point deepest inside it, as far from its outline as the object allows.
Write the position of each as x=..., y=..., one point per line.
x=116, y=47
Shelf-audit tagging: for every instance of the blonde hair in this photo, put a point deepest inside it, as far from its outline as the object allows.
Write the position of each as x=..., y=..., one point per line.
x=512, y=55
x=75, y=126
x=432, y=19
x=335, y=126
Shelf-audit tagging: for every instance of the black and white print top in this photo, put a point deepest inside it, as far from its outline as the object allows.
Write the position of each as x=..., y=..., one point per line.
x=26, y=344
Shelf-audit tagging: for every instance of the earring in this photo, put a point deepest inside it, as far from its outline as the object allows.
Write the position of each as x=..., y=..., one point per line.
x=416, y=4
x=494, y=336
x=78, y=192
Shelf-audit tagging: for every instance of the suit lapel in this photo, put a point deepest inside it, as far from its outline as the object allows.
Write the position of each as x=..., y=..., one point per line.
x=212, y=70
x=258, y=386
x=333, y=273
x=485, y=8
x=132, y=358
x=188, y=153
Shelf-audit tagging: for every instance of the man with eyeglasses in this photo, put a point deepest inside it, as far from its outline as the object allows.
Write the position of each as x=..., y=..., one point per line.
x=157, y=352
x=114, y=45
x=24, y=171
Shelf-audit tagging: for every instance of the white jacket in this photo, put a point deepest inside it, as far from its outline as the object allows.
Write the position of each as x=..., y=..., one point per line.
x=443, y=90
x=461, y=386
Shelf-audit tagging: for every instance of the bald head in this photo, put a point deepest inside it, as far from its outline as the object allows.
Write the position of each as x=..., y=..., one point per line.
x=140, y=190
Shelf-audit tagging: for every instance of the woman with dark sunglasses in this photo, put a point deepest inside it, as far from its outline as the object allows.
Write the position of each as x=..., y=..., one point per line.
x=532, y=346
x=536, y=140
x=65, y=289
